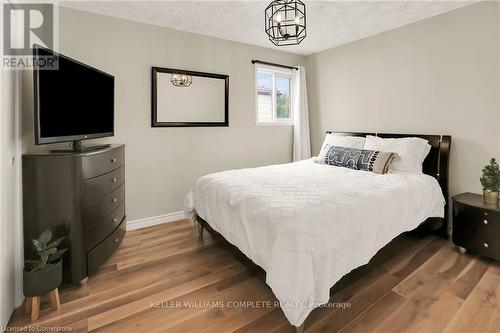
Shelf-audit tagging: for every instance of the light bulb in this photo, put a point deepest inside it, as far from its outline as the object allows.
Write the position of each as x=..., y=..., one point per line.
x=297, y=20
x=278, y=18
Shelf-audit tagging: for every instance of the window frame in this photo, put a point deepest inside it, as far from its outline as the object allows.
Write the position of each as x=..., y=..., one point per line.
x=280, y=72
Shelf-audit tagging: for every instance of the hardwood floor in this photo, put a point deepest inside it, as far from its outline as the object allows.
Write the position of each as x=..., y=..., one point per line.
x=163, y=279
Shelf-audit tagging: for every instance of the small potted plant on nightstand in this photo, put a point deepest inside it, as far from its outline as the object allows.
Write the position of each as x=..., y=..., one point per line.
x=491, y=182
x=44, y=274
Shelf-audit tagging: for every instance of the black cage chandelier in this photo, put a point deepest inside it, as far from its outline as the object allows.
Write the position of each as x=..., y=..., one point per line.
x=286, y=22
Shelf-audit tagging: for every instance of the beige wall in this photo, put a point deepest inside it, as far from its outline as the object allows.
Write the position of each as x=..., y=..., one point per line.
x=163, y=163
x=437, y=76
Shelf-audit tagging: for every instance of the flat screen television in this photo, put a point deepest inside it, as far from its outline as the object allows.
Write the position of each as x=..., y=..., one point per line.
x=73, y=102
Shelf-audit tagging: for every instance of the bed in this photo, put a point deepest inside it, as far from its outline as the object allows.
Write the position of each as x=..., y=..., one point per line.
x=308, y=224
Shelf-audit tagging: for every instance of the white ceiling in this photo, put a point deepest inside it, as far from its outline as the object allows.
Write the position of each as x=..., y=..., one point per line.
x=329, y=23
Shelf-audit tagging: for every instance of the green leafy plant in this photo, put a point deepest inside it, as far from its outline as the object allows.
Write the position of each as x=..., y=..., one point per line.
x=47, y=252
x=491, y=176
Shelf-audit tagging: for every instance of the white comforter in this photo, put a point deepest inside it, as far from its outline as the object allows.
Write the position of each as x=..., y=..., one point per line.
x=309, y=224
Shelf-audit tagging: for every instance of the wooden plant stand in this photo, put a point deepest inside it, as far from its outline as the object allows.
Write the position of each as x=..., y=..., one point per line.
x=32, y=304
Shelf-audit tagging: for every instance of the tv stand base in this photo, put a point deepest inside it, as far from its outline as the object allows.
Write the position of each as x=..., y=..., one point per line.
x=78, y=147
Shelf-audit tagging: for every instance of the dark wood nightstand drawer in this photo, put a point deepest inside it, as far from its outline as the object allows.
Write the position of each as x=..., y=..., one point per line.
x=489, y=246
x=485, y=245
x=477, y=221
x=491, y=222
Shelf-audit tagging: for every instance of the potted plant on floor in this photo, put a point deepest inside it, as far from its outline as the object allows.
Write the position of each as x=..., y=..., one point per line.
x=43, y=274
x=491, y=182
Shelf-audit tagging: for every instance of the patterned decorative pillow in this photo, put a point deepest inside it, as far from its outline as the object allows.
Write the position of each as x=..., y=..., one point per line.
x=360, y=159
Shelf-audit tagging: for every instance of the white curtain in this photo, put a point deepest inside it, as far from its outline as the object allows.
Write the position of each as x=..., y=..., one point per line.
x=301, y=140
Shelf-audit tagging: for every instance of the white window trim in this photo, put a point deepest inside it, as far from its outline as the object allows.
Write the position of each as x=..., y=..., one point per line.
x=279, y=72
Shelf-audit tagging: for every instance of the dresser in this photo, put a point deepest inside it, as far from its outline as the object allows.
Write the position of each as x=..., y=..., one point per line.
x=79, y=195
x=476, y=225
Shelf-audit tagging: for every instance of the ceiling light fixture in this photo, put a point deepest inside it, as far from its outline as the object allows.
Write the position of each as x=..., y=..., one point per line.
x=286, y=22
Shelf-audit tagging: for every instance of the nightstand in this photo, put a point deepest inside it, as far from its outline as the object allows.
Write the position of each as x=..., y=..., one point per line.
x=476, y=225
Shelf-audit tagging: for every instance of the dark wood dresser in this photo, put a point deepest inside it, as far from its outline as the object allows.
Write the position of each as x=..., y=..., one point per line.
x=476, y=225
x=80, y=195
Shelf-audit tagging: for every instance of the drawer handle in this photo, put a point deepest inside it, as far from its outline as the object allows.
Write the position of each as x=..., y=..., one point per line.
x=113, y=160
x=115, y=219
x=114, y=200
x=485, y=245
x=116, y=240
x=113, y=180
x=485, y=221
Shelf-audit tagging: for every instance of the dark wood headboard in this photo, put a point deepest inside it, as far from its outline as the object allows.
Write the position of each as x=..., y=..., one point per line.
x=435, y=164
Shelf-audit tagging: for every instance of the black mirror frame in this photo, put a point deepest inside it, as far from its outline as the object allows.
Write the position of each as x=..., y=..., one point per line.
x=154, y=86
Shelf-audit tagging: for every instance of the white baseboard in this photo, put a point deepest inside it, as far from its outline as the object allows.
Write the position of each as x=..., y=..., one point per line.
x=155, y=220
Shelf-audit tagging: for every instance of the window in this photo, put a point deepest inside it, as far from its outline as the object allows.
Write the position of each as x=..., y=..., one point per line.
x=273, y=96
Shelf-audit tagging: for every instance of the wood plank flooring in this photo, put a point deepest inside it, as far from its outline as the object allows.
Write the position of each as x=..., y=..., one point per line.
x=164, y=279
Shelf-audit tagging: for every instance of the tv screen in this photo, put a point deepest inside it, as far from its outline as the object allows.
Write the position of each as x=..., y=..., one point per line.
x=73, y=102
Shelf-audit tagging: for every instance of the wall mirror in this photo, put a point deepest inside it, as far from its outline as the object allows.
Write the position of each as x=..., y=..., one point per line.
x=183, y=98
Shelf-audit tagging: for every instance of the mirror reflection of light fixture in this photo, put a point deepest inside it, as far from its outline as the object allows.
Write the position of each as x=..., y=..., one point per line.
x=181, y=80
x=286, y=22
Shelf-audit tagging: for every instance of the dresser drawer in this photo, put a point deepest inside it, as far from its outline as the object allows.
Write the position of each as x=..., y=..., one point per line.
x=96, y=231
x=105, y=205
x=98, y=164
x=99, y=186
x=98, y=255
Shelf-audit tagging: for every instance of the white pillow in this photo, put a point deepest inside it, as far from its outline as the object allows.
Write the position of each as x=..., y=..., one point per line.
x=411, y=151
x=356, y=142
